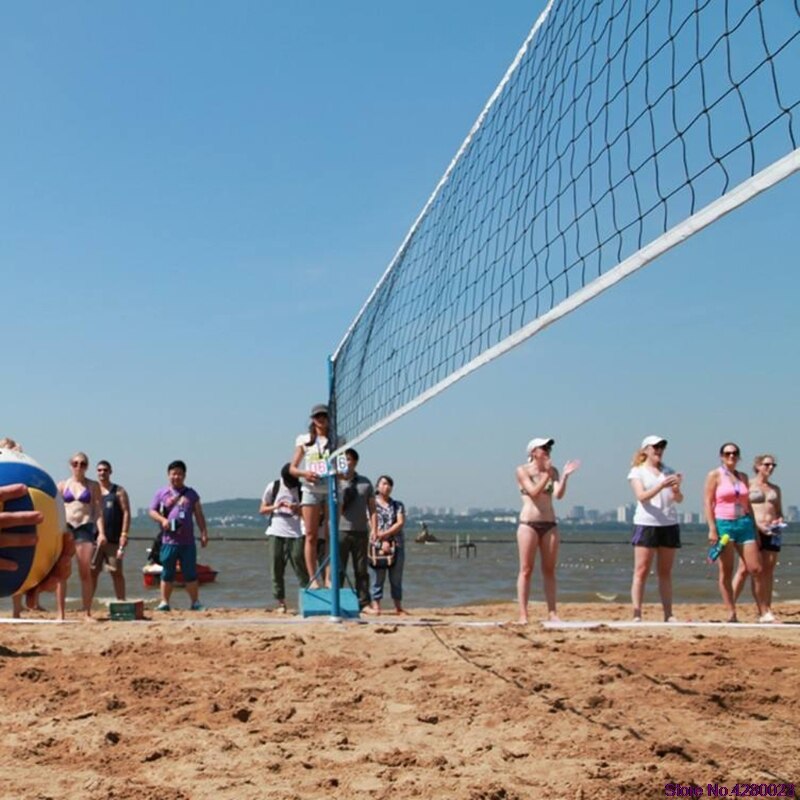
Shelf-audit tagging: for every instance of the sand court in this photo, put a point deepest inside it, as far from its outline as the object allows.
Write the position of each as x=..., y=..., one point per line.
x=237, y=704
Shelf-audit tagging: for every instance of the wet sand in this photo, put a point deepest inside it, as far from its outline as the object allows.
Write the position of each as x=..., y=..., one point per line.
x=245, y=704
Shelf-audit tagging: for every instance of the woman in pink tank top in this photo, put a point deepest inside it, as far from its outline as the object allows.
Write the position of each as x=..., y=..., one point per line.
x=728, y=511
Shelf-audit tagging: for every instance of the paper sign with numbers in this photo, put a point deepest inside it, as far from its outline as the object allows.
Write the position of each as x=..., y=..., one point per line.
x=318, y=466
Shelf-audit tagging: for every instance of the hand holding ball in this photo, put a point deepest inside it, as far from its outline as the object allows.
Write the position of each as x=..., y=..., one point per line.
x=31, y=523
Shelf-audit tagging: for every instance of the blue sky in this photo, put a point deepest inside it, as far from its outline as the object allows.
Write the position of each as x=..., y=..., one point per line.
x=197, y=198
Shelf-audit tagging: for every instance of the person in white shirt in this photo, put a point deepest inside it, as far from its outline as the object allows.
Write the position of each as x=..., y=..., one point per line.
x=655, y=522
x=310, y=465
x=281, y=500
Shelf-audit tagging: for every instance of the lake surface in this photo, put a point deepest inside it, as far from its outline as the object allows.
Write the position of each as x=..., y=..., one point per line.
x=593, y=567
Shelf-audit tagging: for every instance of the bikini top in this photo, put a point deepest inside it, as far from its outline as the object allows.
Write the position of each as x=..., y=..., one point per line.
x=84, y=497
x=548, y=489
x=757, y=496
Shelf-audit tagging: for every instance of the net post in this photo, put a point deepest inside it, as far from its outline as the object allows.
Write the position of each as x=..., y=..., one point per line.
x=333, y=512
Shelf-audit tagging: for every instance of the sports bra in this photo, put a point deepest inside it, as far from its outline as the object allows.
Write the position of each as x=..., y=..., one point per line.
x=84, y=497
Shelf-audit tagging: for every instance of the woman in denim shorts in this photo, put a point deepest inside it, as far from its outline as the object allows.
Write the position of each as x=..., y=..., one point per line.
x=310, y=465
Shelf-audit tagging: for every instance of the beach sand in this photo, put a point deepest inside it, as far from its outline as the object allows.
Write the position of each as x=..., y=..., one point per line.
x=238, y=704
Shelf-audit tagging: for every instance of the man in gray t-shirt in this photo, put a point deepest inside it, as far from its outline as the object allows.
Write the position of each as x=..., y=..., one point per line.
x=357, y=520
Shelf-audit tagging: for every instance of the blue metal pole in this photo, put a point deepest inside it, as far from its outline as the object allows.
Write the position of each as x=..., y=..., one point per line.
x=333, y=510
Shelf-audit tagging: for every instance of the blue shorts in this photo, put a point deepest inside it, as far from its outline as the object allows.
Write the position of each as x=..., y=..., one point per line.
x=84, y=533
x=171, y=554
x=740, y=530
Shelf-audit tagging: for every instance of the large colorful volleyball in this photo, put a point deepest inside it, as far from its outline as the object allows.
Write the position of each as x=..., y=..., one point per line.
x=33, y=563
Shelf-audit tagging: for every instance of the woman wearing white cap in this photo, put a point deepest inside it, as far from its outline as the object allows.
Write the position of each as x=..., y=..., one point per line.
x=310, y=465
x=539, y=483
x=656, y=530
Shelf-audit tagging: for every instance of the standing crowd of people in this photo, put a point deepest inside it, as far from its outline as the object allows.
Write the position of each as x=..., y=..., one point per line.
x=743, y=514
x=744, y=517
x=370, y=523
x=98, y=517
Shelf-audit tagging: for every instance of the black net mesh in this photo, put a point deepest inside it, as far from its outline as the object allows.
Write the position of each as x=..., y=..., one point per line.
x=622, y=119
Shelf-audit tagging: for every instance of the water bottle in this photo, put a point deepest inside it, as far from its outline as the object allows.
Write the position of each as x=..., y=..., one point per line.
x=716, y=549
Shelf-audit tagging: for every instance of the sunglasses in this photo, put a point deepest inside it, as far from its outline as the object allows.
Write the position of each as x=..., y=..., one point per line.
x=659, y=446
x=80, y=463
x=770, y=464
x=728, y=453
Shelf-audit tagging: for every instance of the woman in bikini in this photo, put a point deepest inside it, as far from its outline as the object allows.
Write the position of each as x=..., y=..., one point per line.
x=83, y=504
x=309, y=464
x=765, y=500
x=727, y=506
x=656, y=531
x=539, y=483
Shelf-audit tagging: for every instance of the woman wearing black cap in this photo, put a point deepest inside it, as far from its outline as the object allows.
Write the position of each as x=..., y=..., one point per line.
x=656, y=531
x=310, y=465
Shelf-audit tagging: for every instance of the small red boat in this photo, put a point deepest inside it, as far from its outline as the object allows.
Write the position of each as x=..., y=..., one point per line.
x=151, y=574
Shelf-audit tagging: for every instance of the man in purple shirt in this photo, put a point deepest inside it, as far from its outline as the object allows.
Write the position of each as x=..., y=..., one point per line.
x=173, y=508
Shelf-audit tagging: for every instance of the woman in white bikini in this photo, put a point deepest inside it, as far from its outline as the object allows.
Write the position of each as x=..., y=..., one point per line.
x=539, y=483
x=765, y=500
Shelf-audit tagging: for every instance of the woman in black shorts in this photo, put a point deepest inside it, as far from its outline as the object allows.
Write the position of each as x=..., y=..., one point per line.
x=765, y=500
x=656, y=531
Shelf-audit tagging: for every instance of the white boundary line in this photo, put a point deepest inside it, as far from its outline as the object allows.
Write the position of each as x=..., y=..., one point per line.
x=572, y=625
x=423, y=622
x=739, y=195
x=629, y=624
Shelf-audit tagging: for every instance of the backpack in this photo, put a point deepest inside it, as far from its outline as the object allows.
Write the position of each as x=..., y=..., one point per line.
x=275, y=486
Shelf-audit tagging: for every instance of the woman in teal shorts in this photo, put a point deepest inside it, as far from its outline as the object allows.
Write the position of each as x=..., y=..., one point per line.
x=727, y=507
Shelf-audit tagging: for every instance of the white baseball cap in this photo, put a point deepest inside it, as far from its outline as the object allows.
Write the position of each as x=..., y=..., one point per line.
x=648, y=440
x=534, y=443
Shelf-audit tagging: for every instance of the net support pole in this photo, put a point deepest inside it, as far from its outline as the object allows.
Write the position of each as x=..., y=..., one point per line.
x=333, y=519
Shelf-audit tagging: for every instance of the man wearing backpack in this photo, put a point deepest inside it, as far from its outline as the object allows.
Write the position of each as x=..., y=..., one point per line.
x=281, y=500
x=357, y=519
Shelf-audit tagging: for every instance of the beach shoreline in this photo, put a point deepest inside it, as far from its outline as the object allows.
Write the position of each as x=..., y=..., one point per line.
x=239, y=703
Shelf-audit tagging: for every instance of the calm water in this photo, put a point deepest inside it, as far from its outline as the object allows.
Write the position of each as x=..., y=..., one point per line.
x=591, y=565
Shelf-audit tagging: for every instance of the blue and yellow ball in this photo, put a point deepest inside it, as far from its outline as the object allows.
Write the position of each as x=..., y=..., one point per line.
x=33, y=563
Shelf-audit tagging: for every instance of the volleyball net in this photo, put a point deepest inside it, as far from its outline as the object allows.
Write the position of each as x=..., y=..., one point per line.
x=621, y=128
